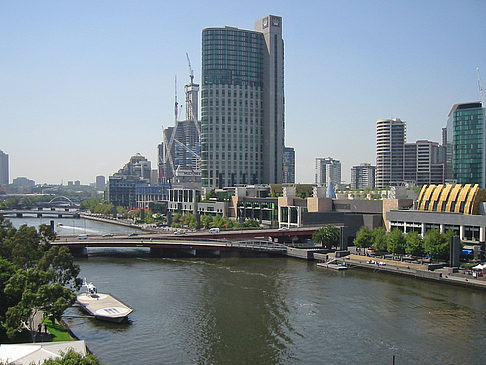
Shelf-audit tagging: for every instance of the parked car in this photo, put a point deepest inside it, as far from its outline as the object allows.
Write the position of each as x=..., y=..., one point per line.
x=132, y=234
x=108, y=235
x=82, y=237
x=214, y=230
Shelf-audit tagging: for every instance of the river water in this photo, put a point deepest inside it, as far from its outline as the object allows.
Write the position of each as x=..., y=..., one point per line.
x=276, y=311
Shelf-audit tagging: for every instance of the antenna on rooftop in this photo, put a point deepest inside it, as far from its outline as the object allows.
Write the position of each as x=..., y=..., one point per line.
x=480, y=85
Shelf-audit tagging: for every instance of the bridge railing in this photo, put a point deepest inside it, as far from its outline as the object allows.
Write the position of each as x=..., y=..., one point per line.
x=257, y=244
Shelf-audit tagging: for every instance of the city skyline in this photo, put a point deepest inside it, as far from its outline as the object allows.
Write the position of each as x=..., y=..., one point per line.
x=86, y=86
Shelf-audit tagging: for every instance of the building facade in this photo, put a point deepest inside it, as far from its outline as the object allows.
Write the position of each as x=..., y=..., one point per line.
x=390, y=150
x=466, y=143
x=328, y=171
x=242, y=105
x=363, y=176
x=460, y=208
x=4, y=169
x=289, y=166
x=100, y=183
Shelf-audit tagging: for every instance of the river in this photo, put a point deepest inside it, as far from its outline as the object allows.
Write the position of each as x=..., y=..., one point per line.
x=276, y=311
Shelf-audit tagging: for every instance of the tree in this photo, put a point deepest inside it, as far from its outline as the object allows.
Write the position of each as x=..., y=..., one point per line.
x=395, y=242
x=327, y=236
x=251, y=223
x=73, y=358
x=414, y=244
x=34, y=291
x=364, y=237
x=33, y=276
x=436, y=244
x=380, y=244
x=206, y=221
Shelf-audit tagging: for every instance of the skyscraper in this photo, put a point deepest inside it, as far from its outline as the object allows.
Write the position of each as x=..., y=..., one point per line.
x=4, y=178
x=328, y=171
x=390, y=150
x=466, y=143
x=242, y=104
x=289, y=165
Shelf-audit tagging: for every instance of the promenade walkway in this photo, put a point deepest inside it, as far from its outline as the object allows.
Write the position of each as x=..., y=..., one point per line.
x=416, y=270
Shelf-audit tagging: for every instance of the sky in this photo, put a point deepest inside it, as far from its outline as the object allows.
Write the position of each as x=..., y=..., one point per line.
x=84, y=85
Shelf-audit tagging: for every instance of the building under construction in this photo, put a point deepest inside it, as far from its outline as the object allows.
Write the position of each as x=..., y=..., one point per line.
x=180, y=151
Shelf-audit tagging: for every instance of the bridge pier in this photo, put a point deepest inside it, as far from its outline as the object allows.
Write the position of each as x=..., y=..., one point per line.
x=79, y=251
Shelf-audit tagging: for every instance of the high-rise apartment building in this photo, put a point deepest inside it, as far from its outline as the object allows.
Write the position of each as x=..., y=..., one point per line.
x=390, y=150
x=242, y=104
x=289, y=165
x=363, y=176
x=466, y=144
x=4, y=178
x=328, y=171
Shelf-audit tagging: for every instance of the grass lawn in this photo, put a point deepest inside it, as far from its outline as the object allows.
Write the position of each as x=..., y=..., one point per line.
x=58, y=331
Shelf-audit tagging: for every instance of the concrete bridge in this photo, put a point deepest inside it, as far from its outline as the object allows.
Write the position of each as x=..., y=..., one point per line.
x=59, y=213
x=176, y=248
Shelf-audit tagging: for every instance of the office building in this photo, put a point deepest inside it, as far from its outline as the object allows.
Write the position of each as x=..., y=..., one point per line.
x=4, y=178
x=289, y=165
x=328, y=171
x=121, y=187
x=363, y=176
x=242, y=104
x=466, y=144
x=390, y=149
x=100, y=183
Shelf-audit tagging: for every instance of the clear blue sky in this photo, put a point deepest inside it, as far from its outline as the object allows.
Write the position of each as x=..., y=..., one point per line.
x=84, y=85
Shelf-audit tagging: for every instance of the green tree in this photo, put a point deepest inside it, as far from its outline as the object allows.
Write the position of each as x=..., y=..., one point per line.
x=35, y=291
x=217, y=222
x=364, y=237
x=251, y=223
x=176, y=218
x=122, y=212
x=395, y=242
x=414, y=244
x=34, y=276
x=73, y=358
x=206, y=221
x=380, y=244
x=327, y=236
x=436, y=244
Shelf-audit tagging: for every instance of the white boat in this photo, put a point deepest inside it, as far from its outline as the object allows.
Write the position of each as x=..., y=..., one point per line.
x=103, y=306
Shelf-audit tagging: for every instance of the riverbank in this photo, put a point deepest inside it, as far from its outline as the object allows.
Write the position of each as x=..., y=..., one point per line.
x=118, y=222
x=418, y=271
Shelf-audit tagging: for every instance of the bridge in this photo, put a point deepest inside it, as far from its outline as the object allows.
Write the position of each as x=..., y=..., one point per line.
x=175, y=248
x=59, y=213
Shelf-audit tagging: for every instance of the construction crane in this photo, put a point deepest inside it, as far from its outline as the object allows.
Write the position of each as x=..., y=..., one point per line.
x=191, y=71
x=480, y=85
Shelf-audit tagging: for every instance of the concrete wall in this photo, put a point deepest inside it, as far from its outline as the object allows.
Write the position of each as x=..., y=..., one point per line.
x=319, y=204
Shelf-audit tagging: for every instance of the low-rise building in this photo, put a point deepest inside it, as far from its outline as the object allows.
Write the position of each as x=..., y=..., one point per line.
x=320, y=210
x=461, y=208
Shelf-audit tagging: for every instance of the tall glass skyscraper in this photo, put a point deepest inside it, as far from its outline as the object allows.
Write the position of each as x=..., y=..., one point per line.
x=466, y=139
x=242, y=105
